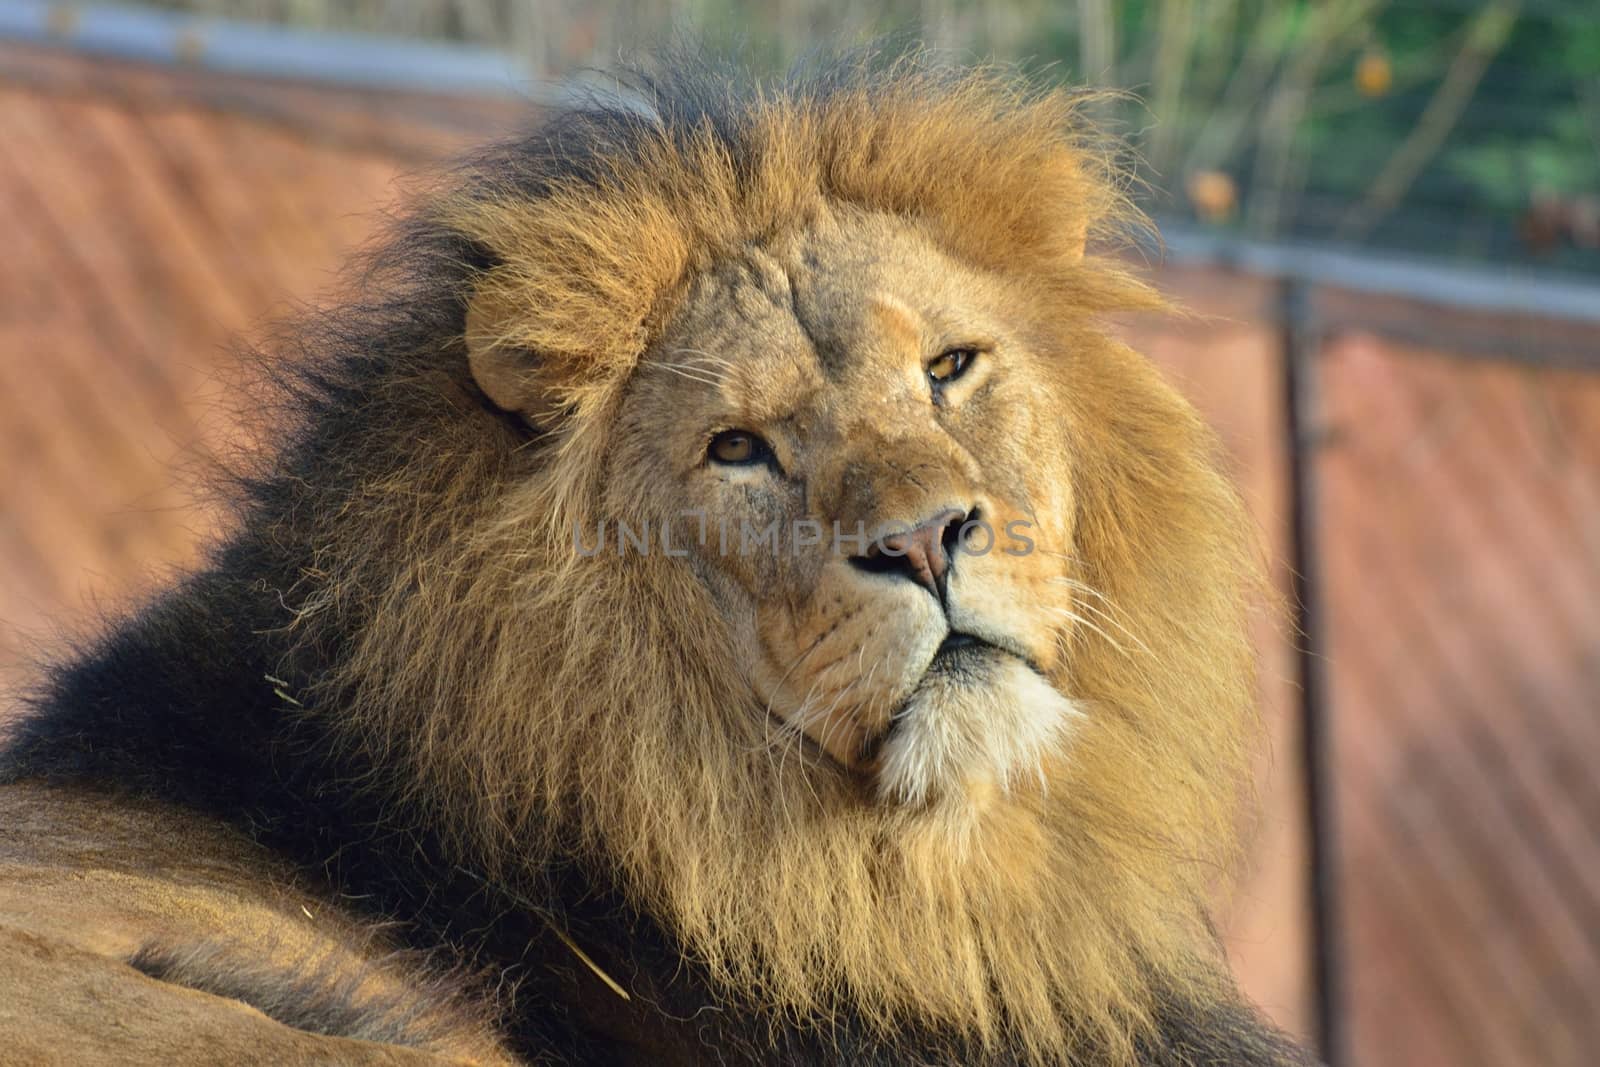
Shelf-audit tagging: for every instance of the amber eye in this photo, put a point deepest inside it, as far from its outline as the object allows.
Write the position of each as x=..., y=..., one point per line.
x=951, y=365
x=738, y=447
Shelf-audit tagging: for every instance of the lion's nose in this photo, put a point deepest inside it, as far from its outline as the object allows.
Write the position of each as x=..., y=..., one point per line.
x=922, y=553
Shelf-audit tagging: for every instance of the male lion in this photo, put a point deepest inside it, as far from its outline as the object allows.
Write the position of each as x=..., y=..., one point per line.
x=722, y=598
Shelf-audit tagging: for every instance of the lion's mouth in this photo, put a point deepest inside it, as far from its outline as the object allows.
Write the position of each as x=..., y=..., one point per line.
x=960, y=657
x=959, y=652
x=963, y=652
x=981, y=717
x=962, y=661
x=963, y=658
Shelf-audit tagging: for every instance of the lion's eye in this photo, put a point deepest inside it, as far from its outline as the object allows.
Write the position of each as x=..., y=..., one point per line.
x=738, y=447
x=951, y=365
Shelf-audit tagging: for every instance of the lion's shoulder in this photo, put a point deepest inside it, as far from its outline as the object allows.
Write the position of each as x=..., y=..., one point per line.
x=126, y=925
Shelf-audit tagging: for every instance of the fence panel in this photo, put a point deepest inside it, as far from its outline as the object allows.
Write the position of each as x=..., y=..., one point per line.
x=1459, y=534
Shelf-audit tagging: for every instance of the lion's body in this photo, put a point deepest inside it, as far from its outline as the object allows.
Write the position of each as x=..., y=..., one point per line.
x=149, y=936
x=678, y=806
x=138, y=933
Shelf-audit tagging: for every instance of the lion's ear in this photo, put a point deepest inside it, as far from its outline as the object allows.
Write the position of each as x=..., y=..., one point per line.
x=508, y=374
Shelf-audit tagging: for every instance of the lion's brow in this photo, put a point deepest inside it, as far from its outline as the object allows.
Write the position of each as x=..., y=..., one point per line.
x=899, y=320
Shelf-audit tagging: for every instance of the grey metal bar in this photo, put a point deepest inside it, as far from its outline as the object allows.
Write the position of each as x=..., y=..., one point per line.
x=1501, y=290
x=1299, y=349
x=266, y=50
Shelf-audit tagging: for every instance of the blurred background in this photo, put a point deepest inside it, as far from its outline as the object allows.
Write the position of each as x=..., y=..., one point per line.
x=1385, y=215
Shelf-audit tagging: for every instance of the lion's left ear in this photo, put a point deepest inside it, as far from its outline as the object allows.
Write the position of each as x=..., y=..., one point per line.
x=508, y=374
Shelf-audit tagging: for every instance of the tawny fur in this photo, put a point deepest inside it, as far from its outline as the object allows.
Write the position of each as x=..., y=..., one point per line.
x=139, y=934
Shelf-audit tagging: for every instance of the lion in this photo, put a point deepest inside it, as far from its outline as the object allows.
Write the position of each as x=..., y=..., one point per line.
x=718, y=592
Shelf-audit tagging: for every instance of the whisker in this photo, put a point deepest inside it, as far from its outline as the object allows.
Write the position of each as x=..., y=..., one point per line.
x=829, y=723
x=1074, y=617
x=707, y=357
x=857, y=682
x=785, y=676
x=1105, y=613
x=791, y=733
x=787, y=727
x=689, y=373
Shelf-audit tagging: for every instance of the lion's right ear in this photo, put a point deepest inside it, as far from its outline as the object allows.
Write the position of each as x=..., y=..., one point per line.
x=507, y=373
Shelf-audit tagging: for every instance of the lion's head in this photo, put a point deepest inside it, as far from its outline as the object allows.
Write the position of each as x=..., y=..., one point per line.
x=818, y=566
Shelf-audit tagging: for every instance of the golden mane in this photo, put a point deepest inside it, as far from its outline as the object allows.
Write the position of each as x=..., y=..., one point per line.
x=537, y=703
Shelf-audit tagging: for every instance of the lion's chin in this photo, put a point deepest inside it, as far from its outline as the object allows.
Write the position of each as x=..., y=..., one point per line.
x=979, y=725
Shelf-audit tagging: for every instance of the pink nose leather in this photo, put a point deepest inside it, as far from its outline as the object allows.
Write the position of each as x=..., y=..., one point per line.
x=921, y=551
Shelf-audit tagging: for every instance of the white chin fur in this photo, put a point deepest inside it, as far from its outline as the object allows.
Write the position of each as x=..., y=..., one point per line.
x=960, y=734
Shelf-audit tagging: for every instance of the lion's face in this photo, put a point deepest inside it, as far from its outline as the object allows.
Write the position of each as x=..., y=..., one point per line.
x=848, y=435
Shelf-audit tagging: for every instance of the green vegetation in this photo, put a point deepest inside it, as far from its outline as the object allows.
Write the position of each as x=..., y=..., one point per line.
x=1468, y=128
